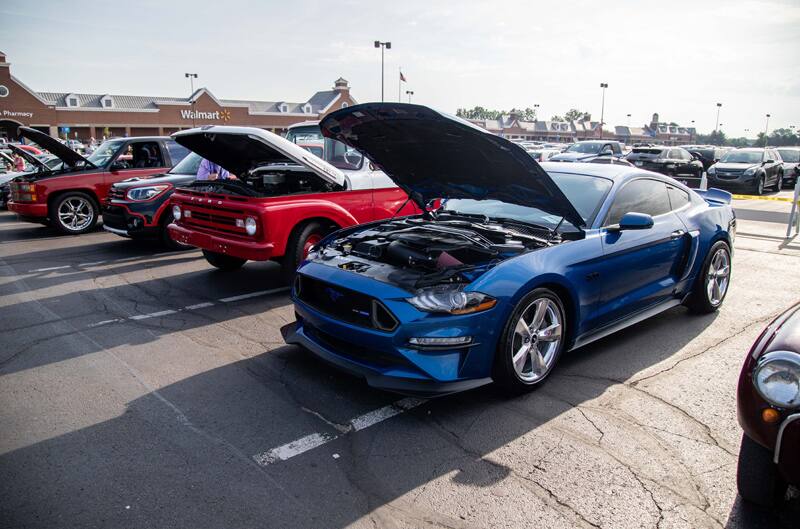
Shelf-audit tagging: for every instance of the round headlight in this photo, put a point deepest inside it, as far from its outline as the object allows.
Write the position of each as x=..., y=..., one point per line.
x=777, y=378
x=250, y=225
x=176, y=212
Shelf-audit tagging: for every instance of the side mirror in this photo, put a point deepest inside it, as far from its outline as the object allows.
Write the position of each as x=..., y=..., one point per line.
x=768, y=161
x=633, y=221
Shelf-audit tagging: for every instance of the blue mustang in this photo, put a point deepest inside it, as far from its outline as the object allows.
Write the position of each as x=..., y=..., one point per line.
x=511, y=264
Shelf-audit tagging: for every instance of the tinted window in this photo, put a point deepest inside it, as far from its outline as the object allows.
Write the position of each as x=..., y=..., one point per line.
x=789, y=155
x=639, y=196
x=144, y=154
x=677, y=197
x=176, y=152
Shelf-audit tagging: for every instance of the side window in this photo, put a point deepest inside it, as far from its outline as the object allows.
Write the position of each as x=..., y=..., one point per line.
x=677, y=197
x=176, y=152
x=639, y=196
x=146, y=154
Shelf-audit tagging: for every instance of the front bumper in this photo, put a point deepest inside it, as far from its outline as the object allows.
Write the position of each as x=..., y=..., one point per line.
x=735, y=182
x=120, y=221
x=385, y=358
x=33, y=211
x=250, y=250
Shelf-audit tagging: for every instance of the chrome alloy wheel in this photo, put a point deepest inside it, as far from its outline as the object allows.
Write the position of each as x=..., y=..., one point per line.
x=718, y=276
x=536, y=339
x=75, y=213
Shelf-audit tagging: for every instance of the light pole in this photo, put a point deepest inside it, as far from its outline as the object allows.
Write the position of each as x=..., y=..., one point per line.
x=602, y=107
x=629, y=120
x=692, y=133
x=382, y=46
x=719, y=106
x=192, y=77
x=766, y=132
x=535, y=111
x=409, y=93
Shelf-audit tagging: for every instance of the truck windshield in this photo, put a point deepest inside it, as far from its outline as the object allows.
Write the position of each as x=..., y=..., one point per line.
x=105, y=152
x=334, y=152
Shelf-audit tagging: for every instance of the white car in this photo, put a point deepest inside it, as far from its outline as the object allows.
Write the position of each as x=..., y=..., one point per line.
x=542, y=155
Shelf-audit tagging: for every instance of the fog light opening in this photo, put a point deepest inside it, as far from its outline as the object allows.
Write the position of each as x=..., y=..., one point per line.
x=426, y=341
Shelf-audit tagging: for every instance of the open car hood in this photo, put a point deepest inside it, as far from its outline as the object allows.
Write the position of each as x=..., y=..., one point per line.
x=67, y=155
x=240, y=149
x=28, y=157
x=432, y=155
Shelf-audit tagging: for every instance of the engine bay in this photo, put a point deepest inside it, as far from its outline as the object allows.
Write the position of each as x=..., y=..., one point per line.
x=415, y=252
x=273, y=180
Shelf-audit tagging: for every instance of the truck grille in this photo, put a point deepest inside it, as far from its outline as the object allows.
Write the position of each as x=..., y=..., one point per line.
x=209, y=215
x=344, y=304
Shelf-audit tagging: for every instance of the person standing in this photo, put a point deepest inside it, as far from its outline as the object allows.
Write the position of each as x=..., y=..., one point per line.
x=211, y=171
x=19, y=163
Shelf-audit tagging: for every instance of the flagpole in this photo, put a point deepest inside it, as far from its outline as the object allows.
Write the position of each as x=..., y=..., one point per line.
x=399, y=77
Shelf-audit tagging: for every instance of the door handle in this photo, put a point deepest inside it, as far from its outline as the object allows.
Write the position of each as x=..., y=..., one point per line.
x=677, y=234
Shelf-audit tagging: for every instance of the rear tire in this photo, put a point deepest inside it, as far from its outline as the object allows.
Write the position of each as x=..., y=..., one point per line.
x=301, y=239
x=74, y=213
x=705, y=298
x=757, y=476
x=530, y=345
x=224, y=262
x=758, y=186
x=779, y=182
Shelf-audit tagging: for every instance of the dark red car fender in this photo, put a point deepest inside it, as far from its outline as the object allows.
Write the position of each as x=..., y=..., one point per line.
x=280, y=219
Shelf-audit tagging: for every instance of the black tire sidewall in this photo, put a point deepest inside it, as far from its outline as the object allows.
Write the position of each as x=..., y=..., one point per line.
x=166, y=240
x=294, y=248
x=55, y=219
x=699, y=301
x=757, y=477
x=504, y=373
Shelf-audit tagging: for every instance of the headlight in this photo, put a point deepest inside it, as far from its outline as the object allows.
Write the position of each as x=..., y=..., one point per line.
x=712, y=170
x=751, y=170
x=452, y=300
x=176, y=212
x=777, y=378
x=145, y=193
x=250, y=225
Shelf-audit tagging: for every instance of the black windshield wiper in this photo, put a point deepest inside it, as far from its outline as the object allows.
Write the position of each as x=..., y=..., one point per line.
x=506, y=220
x=452, y=213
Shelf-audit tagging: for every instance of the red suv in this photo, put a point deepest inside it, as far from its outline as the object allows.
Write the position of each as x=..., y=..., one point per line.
x=284, y=200
x=69, y=196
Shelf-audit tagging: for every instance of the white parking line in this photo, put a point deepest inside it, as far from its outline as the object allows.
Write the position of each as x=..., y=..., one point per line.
x=109, y=261
x=48, y=269
x=196, y=306
x=254, y=294
x=314, y=440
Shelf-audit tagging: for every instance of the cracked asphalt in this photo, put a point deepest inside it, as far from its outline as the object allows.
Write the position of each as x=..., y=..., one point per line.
x=112, y=419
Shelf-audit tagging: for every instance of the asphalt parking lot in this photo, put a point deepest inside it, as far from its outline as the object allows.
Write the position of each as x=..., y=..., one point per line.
x=141, y=388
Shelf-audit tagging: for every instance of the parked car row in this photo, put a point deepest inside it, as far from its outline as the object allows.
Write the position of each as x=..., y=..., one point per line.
x=429, y=256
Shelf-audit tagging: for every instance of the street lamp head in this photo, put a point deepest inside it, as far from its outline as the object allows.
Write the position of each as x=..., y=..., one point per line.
x=768, y=115
x=388, y=45
x=187, y=75
x=603, y=85
x=377, y=44
x=719, y=104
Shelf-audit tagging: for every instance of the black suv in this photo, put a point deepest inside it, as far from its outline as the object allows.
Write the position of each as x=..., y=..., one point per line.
x=752, y=169
x=791, y=164
x=708, y=154
x=671, y=161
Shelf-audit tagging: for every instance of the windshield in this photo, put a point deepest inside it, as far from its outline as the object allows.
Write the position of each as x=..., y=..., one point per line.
x=586, y=193
x=334, y=152
x=188, y=165
x=743, y=157
x=790, y=155
x=587, y=148
x=103, y=154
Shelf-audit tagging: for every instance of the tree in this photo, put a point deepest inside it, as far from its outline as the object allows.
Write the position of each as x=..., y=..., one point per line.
x=557, y=118
x=576, y=115
x=715, y=138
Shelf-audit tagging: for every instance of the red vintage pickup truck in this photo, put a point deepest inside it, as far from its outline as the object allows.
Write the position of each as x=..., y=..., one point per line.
x=284, y=200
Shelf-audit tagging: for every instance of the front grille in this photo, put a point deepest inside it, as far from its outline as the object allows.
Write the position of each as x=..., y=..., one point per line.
x=344, y=304
x=212, y=217
x=354, y=351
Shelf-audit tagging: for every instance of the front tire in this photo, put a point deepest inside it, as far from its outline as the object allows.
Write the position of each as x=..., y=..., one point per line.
x=74, y=213
x=779, y=182
x=757, y=477
x=301, y=240
x=224, y=262
x=713, y=280
x=758, y=185
x=532, y=342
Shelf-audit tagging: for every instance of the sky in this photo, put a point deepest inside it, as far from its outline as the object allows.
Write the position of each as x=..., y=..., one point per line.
x=678, y=58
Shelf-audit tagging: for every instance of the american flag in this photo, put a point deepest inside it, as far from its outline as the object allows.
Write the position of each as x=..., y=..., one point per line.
x=402, y=77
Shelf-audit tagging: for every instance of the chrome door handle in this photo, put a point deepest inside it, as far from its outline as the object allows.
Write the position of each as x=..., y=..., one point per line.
x=677, y=234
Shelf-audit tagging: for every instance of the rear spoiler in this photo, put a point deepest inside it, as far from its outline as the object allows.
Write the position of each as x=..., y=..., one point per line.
x=715, y=196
